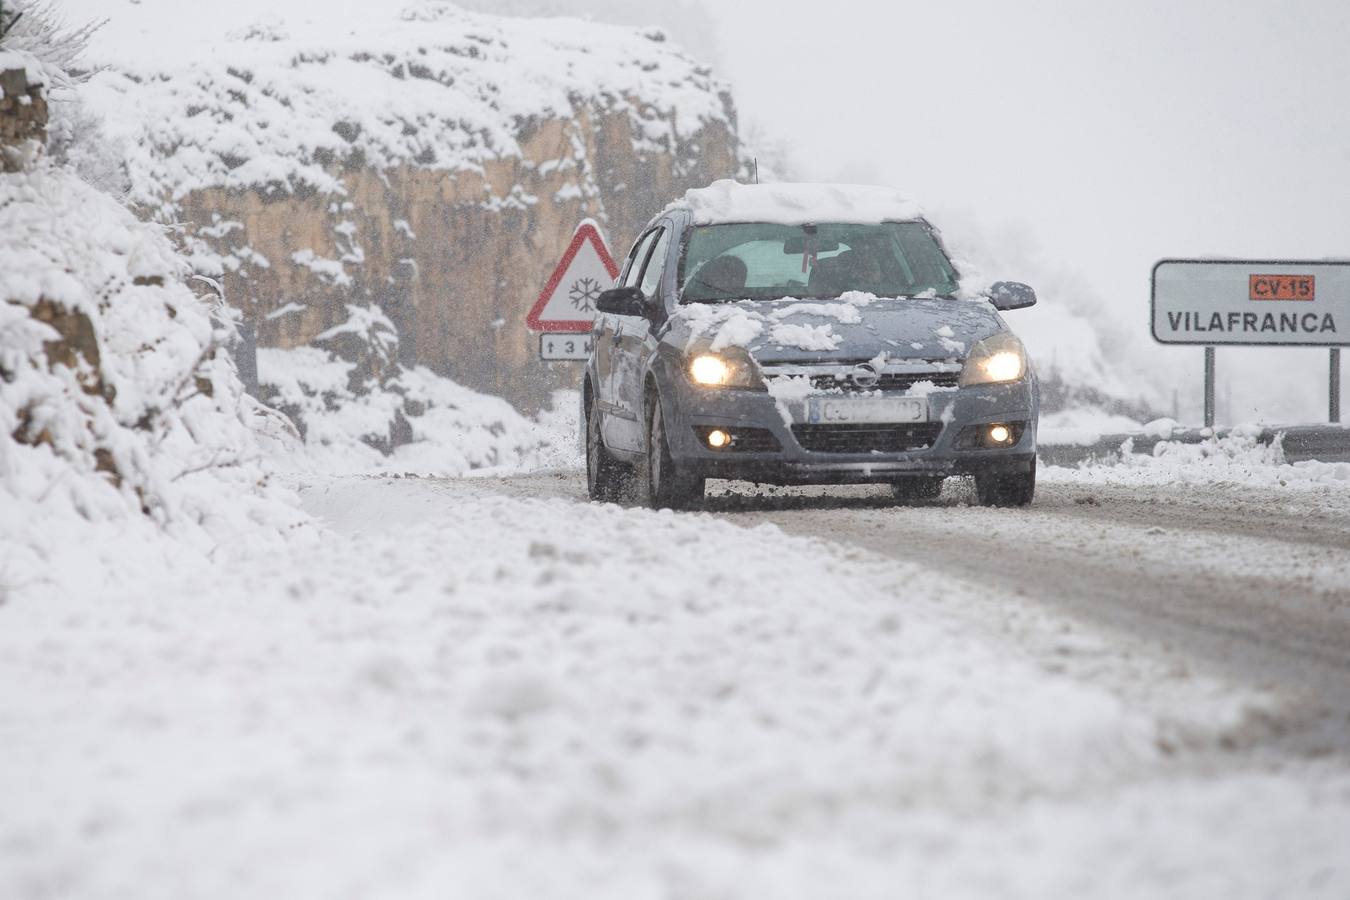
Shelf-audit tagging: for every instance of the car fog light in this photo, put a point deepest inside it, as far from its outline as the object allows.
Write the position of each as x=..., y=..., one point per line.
x=717, y=439
x=999, y=434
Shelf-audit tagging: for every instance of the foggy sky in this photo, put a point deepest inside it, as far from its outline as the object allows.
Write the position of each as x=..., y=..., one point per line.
x=1108, y=135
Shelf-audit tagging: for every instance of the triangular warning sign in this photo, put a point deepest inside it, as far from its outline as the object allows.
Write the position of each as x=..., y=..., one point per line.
x=568, y=300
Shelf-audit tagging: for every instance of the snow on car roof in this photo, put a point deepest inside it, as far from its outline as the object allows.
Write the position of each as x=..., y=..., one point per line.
x=795, y=204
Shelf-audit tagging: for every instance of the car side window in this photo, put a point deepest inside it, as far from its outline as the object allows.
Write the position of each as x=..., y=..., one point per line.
x=656, y=264
x=633, y=268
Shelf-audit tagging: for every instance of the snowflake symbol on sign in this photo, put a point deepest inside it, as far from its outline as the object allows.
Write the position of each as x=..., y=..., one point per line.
x=584, y=293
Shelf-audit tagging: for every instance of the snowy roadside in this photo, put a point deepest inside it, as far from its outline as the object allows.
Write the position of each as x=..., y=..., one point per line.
x=451, y=691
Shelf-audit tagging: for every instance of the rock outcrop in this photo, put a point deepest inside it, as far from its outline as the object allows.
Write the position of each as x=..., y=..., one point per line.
x=435, y=169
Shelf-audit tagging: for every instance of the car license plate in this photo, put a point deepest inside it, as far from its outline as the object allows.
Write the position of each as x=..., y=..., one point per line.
x=860, y=410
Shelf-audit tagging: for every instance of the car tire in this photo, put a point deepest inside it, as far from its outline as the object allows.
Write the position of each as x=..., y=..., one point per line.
x=913, y=490
x=605, y=476
x=667, y=486
x=1006, y=489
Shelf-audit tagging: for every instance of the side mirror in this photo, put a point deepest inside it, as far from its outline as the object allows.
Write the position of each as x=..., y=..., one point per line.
x=622, y=301
x=1006, y=295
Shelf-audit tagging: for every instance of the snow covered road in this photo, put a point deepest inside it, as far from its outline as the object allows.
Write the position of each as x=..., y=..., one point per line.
x=1251, y=584
x=488, y=688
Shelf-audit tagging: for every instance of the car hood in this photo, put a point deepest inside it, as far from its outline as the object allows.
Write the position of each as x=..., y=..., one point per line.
x=852, y=327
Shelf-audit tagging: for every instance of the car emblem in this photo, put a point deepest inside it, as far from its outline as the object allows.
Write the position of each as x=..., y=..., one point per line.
x=865, y=376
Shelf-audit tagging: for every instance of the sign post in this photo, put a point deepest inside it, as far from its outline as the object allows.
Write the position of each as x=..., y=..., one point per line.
x=1253, y=303
x=1209, y=387
x=566, y=307
x=1334, y=387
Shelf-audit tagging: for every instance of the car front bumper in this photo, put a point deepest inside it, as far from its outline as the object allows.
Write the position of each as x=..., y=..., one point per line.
x=950, y=413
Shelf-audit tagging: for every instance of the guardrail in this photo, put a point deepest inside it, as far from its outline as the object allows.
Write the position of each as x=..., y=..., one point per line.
x=1325, y=443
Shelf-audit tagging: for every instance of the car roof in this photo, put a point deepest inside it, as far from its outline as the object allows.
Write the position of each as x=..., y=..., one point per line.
x=729, y=201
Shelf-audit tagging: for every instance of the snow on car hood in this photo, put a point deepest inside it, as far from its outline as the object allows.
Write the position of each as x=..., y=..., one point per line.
x=855, y=326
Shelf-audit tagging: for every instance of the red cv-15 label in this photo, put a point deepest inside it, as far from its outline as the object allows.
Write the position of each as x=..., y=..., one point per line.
x=1282, y=287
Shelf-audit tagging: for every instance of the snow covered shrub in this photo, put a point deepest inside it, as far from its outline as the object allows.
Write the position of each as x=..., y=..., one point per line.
x=33, y=27
x=75, y=136
x=116, y=394
x=359, y=409
x=77, y=141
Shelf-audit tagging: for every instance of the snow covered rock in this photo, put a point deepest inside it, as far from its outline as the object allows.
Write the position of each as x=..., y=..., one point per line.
x=23, y=110
x=426, y=160
x=358, y=409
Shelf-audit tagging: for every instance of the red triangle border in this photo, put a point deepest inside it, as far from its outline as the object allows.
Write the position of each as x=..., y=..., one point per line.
x=585, y=232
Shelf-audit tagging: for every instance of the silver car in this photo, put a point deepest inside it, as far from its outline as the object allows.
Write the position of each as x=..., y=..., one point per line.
x=828, y=343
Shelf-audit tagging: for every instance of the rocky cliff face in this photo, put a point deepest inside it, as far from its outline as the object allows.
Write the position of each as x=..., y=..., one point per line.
x=435, y=167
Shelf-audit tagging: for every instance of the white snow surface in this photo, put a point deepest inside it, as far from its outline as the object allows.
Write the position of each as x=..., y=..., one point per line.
x=255, y=94
x=460, y=432
x=453, y=692
x=1235, y=461
x=1082, y=426
x=846, y=312
x=804, y=337
x=787, y=203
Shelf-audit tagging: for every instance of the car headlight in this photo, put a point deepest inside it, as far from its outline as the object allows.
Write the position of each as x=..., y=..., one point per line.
x=723, y=370
x=995, y=360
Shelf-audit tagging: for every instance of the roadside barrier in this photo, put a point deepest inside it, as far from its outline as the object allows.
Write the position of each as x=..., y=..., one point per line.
x=1325, y=443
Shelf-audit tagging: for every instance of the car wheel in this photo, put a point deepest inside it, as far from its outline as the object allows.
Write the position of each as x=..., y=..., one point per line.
x=667, y=486
x=1004, y=489
x=914, y=489
x=604, y=474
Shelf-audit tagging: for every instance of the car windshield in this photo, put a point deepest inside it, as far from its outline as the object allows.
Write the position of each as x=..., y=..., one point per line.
x=761, y=261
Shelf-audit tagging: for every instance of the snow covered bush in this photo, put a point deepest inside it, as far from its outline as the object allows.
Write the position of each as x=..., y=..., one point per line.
x=33, y=27
x=122, y=418
x=117, y=398
x=38, y=41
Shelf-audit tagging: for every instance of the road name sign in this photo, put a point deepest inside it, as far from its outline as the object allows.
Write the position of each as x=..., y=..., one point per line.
x=1251, y=302
x=567, y=303
x=564, y=345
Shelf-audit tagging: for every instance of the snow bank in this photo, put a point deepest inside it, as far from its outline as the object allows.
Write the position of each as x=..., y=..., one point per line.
x=358, y=410
x=795, y=204
x=1082, y=426
x=1238, y=459
x=117, y=397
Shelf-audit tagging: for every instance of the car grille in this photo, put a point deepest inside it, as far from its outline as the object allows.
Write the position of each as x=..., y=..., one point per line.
x=888, y=381
x=866, y=438
x=838, y=377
